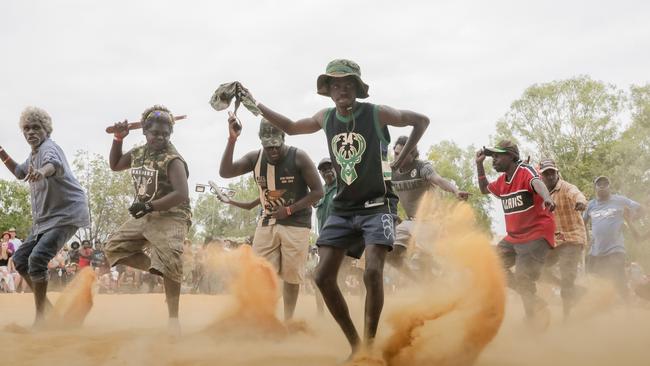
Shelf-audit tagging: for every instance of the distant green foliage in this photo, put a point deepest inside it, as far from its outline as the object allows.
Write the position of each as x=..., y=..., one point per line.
x=109, y=195
x=15, y=207
x=217, y=220
x=457, y=164
x=573, y=121
x=578, y=122
x=631, y=170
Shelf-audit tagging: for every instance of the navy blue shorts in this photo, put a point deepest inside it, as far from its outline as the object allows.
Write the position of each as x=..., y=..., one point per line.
x=353, y=233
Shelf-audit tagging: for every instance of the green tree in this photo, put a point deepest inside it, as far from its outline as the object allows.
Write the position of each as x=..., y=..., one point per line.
x=109, y=195
x=244, y=222
x=632, y=151
x=15, y=207
x=573, y=121
x=216, y=219
x=209, y=216
x=631, y=169
x=576, y=122
x=457, y=164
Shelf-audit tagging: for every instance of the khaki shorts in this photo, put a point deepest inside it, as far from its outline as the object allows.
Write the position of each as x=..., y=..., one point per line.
x=163, y=234
x=286, y=248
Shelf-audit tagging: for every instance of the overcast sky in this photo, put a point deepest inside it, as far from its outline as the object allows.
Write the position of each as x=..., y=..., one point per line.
x=461, y=63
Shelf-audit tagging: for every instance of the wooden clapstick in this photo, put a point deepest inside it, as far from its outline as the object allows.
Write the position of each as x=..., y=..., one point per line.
x=136, y=125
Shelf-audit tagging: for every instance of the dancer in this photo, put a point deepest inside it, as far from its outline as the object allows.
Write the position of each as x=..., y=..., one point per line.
x=411, y=183
x=530, y=226
x=59, y=206
x=606, y=213
x=364, y=208
x=161, y=211
x=289, y=186
x=570, y=235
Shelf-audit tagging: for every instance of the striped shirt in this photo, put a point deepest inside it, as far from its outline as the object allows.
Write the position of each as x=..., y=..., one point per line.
x=281, y=185
x=570, y=227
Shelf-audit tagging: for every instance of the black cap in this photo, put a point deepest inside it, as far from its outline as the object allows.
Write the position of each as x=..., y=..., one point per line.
x=503, y=147
x=323, y=162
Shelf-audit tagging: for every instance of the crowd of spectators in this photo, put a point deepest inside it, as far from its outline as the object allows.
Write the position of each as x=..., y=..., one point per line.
x=198, y=275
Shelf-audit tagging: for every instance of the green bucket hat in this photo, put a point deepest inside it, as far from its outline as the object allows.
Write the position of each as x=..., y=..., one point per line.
x=338, y=69
x=270, y=136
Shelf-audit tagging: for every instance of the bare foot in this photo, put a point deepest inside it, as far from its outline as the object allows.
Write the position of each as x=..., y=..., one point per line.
x=39, y=323
x=364, y=358
x=174, y=329
x=541, y=320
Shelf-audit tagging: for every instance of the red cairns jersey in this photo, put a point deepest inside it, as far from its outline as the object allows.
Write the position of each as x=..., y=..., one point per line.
x=526, y=218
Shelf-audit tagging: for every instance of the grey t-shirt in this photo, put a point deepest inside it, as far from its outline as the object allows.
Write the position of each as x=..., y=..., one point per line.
x=410, y=186
x=607, y=224
x=59, y=199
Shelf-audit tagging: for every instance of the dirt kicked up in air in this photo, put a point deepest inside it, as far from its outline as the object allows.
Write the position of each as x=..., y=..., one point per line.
x=446, y=321
x=72, y=307
x=449, y=320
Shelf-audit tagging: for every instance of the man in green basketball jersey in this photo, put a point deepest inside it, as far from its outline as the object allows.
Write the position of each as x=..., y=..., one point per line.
x=364, y=209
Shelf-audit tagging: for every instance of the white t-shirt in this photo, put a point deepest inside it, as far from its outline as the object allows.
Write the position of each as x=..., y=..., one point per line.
x=16, y=242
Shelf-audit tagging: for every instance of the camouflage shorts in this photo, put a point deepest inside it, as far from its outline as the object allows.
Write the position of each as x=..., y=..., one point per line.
x=163, y=235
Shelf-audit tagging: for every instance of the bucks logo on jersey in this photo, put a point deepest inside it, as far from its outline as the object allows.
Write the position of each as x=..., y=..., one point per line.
x=348, y=149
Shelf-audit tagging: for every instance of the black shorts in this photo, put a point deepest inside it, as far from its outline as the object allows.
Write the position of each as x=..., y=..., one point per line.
x=354, y=232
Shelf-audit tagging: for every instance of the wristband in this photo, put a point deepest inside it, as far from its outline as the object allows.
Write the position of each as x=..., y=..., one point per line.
x=481, y=177
x=118, y=139
x=288, y=210
x=6, y=160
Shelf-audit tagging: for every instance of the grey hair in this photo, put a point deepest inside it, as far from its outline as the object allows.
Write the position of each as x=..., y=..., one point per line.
x=35, y=114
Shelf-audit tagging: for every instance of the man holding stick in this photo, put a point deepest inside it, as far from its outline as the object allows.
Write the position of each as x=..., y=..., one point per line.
x=161, y=211
x=59, y=205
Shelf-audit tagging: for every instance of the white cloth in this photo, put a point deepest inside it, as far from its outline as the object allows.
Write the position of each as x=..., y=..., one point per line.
x=6, y=280
x=16, y=242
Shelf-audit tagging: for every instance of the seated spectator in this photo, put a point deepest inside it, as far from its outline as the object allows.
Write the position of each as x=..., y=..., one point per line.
x=6, y=244
x=19, y=283
x=99, y=259
x=6, y=251
x=73, y=253
x=71, y=269
x=85, y=254
x=6, y=280
x=56, y=270
x=14, y=240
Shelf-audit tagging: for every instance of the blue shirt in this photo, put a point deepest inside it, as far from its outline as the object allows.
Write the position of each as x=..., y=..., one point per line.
x=607, y=224
x=57, y=200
